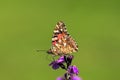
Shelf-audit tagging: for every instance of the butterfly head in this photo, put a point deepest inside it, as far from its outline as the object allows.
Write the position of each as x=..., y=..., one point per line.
x=49, y=51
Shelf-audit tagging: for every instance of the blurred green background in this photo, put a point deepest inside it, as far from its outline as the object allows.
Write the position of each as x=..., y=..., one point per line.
x=27, y=25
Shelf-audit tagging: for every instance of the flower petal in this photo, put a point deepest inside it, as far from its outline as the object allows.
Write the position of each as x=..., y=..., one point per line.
x=54, y=65
x=61, y=59
x=73, y=70
x=76, y=78
x=60, y=78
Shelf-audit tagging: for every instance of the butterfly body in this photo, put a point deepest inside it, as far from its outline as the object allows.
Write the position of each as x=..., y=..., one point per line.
x=62, y=42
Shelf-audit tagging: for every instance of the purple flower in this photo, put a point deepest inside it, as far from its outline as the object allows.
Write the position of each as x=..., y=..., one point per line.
x=75, y=78
x=73, y=70
x=72, y=78
x=68, y=60
x=58, y=63
x=70, y=57
x=61, y=59
x=54, y=65
x=60, y=78
x=64, y=62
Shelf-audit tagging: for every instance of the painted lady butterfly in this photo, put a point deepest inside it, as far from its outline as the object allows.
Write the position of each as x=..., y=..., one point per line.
x=62, y=42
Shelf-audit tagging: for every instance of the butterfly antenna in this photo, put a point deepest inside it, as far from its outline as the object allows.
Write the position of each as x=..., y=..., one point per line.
x=41, y=50
x=47, y=56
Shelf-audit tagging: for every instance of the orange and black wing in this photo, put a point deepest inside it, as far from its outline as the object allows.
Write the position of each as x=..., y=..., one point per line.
x=62, y=42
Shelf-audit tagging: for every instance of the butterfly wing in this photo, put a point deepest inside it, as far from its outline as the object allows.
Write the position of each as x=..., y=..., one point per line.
x=62, y=42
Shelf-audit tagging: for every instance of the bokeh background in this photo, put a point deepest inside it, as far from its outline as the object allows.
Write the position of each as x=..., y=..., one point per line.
x=27, y=25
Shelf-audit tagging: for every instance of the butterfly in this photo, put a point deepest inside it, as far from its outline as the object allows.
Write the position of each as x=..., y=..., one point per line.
x=62, y=42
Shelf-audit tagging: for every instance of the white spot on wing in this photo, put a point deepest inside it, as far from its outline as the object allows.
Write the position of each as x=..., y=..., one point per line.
x=56, y=31
x=55, y=38
x=57, y=26
x=61, y=29
x=64, y=44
